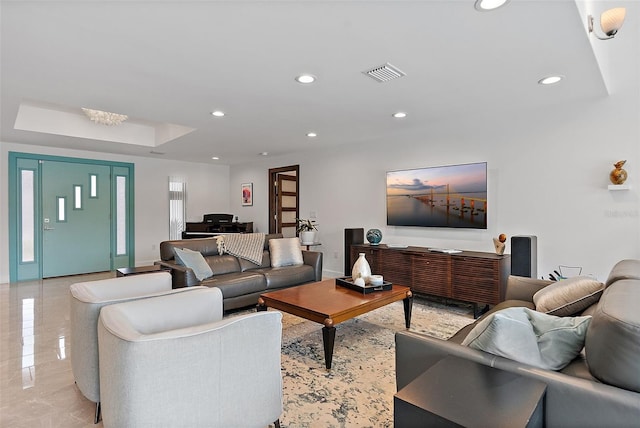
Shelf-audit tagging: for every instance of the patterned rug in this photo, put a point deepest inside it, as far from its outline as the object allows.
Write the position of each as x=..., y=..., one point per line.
x=358, y=390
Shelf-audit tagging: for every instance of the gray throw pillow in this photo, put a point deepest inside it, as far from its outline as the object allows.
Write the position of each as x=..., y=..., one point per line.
x=195, y=261
x=568, y=296
x=285, y=252
x=530, y=337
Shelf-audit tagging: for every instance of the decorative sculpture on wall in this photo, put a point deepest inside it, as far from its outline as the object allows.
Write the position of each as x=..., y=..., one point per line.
x=618, y=175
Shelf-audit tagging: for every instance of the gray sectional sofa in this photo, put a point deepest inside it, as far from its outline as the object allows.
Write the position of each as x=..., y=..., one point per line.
x=240, y=281
x=599, y=388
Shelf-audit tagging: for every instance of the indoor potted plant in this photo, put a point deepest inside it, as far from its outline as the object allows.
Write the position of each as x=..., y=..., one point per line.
x=306, y=229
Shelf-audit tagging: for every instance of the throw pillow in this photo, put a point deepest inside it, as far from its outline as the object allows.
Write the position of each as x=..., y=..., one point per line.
x=568, y=296
x=530, y=337
x=285, y=252
x=195, y=261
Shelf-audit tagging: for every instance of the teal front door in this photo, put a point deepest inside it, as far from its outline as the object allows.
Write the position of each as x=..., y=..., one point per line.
x=76, y=225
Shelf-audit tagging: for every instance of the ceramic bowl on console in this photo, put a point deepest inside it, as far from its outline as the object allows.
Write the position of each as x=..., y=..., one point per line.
x=374, y=236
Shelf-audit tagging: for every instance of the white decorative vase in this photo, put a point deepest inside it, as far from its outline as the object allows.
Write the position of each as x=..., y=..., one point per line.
x=361, y=269
x=308, y=237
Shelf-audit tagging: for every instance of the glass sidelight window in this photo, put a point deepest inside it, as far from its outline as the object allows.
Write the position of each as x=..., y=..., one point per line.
x=121, y=215
x=27, y=220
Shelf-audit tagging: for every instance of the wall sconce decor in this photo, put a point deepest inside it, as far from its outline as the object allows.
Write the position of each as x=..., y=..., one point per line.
x=610, y=21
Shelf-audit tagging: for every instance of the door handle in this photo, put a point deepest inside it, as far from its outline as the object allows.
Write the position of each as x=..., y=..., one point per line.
x=49, y=228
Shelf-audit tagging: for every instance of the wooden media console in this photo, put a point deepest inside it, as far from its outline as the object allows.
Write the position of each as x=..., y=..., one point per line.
x=469, y=276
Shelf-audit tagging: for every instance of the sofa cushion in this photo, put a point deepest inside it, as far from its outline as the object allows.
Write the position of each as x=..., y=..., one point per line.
x=568, y=296
x=285, y=252
x=195, y=261
x=247, y=265
x=237, y=283
x=613, y=340
x=286, y=276
x=223, y=264
x=530, y=337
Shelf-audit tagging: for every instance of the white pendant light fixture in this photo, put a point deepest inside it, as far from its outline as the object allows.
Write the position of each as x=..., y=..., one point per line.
x=610, y=21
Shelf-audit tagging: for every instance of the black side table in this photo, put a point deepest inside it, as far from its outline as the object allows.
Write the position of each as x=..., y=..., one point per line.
x=457, y=392
x=126, y=271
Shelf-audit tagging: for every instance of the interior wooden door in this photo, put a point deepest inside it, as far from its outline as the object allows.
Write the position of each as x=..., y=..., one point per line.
x=287, y=205
x=283, y=200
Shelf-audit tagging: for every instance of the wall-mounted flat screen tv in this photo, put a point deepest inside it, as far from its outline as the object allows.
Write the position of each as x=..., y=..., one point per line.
x=440, y=196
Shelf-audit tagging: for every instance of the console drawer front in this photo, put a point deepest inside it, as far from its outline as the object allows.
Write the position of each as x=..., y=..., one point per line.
x=431, y=274
x=476, y=280
x=395, y=267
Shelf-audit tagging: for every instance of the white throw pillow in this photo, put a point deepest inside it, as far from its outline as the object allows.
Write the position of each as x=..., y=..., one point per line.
x=285, y=252
x=530, y=337
x=195, y=261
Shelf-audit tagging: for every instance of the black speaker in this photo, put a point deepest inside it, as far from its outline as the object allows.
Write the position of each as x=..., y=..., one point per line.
x=524, y=256
x=351, y=237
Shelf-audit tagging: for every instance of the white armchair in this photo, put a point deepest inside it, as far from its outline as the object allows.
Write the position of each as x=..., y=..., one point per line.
x=87, y=298
x=173, y=362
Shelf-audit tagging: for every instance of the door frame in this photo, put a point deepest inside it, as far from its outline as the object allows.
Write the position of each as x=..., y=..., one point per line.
x=273, y=183
x=15, y=211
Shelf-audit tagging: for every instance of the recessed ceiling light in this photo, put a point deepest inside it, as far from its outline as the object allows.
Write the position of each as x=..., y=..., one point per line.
x=215, y=158
x=312, y=134
x=487, y=5
x=217, y=113
x=264, y=153
x=306, y=78
x=550, y=80
x=400, y=115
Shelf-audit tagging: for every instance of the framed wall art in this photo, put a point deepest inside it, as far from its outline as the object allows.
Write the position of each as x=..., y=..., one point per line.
x=247, y=194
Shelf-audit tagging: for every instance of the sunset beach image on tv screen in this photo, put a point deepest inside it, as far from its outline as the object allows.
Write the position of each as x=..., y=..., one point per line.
x=441, y=196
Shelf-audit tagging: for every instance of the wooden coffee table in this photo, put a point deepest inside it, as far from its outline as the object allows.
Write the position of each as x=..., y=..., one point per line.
x=329, y=304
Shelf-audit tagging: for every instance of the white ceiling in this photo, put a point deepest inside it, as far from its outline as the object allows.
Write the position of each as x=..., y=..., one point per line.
x=175, y=62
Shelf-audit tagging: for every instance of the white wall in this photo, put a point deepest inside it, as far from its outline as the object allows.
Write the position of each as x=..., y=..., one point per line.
x=207, y=191
x=548, y=176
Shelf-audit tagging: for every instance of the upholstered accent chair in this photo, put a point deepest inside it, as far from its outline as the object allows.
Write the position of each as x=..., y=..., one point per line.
x=87, y=299
x=173, y=361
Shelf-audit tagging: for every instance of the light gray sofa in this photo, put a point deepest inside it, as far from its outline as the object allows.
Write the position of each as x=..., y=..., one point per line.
x=87, y=299
x=172, y=361
x=240, y=281
x=599, y=388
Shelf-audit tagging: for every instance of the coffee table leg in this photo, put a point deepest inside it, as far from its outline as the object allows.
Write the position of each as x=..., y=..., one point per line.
x=261, y=305
x=408, y=305
x=328, y=339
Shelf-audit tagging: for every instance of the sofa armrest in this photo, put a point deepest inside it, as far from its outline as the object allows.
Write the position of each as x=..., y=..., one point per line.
x=314, y=259
x=181, y=276
x=523, y=288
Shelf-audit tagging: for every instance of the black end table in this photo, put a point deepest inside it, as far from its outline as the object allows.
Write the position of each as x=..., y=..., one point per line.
x=126, y=271
x=457, y=392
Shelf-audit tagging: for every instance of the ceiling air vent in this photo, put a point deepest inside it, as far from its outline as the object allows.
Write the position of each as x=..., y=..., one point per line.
x=384, y=73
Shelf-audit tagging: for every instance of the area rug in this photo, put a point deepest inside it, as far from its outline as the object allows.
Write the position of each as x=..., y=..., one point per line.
x=358, y=390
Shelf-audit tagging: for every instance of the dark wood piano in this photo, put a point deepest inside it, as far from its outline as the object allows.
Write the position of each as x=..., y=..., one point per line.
x=215, y=224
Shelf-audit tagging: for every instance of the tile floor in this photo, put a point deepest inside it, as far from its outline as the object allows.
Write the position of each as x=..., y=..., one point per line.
x=36, y=383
